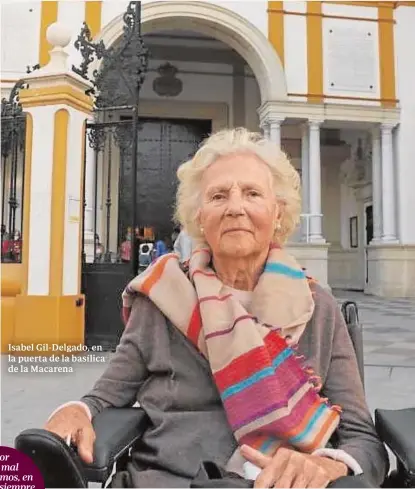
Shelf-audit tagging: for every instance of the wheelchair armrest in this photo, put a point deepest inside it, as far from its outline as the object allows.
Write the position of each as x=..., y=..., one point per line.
x=396, y=428
x=351, y=317
x=116, y=430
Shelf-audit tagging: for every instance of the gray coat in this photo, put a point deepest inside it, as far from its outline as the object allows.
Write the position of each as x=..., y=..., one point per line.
x=157, y=366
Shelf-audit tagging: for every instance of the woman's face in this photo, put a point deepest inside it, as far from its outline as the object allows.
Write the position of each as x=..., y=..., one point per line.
x=239, y=209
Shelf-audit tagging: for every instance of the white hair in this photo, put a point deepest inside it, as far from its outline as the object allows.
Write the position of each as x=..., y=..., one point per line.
x=286, y=181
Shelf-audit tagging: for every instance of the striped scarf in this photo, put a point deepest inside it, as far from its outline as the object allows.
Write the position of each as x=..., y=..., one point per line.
x=269, y=397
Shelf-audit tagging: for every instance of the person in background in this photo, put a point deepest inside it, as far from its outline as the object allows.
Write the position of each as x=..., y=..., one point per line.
x=99, y=249
x=183, y=245
x=125, y=248
x=144, y=257
x=162, y=247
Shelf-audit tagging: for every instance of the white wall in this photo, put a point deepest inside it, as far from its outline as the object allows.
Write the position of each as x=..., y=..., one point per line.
x=111, y=9
x=354, y=69
x=295, y=49
x=405, y=164
x=212, y=83
x=20, y=28
x=73, y=205
x=254, y=12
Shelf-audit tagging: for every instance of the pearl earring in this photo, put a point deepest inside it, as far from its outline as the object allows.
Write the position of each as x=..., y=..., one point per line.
x=278, y=227
x=202, y=230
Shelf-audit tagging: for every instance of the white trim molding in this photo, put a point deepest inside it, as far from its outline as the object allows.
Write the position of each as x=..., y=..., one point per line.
x=366, y=114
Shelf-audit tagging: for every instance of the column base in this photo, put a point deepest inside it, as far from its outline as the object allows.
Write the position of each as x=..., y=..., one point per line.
x=388, y=240
x=317, y=240
x=314, y=258
x=391, y=270
x=45, y=320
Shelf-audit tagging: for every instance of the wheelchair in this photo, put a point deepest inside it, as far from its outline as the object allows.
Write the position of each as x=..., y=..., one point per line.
x=118, y=430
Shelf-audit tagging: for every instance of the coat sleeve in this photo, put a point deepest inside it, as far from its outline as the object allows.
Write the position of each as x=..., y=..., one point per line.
x=119, y=384
x=356, y=434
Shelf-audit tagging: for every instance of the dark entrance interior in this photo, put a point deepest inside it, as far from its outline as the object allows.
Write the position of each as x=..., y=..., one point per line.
x=369, y=234
x=162, y=145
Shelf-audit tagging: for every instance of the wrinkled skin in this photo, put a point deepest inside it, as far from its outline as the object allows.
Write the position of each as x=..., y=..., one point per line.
x=289, y=468
x=73, y=421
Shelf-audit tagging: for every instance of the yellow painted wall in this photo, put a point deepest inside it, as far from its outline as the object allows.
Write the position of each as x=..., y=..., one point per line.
x=50, y=320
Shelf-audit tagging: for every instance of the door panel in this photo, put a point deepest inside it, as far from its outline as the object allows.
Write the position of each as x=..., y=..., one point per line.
x=162, y=146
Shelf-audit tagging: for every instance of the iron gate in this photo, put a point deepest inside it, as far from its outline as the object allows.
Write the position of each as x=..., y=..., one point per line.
x=13, y=132
x=104, y=273
x=130, y=175
x=116, y=91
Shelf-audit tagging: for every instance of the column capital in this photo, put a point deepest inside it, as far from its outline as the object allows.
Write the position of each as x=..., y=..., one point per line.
x=387, y=126
x=276, y=119
x=314, y=123
x=264, y=126
x=272, y=119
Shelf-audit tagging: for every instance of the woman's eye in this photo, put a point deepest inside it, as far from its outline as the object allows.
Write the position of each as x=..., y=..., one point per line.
x=253, y=193
x=218, y=197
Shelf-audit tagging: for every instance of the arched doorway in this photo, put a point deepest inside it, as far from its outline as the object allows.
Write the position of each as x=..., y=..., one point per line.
x=209, y=69
x=219, y=23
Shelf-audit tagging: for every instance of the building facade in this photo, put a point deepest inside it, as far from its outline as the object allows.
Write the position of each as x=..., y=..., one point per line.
x=332, y=82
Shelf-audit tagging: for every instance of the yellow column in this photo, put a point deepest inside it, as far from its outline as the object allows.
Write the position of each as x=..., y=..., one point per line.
x=93, y=11
x=276, y=27
x=315, y=52
x=386, y=56
x=50, y=308
x=48, y=15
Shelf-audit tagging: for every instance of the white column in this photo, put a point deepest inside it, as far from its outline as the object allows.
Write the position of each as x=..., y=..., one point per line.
x=388, y=186
x=376, y=185
x=305, y=180
x=275, y=130
x=265, y=128
x=315, y=182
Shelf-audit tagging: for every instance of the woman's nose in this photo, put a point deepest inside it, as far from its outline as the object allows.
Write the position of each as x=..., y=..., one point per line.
x=235, y=204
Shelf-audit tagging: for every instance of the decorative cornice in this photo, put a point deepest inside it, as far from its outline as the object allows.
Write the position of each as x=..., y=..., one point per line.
x=333, y=112
x=56, y=95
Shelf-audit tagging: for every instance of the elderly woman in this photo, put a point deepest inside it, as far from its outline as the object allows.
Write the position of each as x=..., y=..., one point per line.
x=241, y=360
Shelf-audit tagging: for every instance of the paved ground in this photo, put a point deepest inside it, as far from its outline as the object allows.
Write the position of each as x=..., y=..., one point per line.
x=388, y=329
x=389, y=341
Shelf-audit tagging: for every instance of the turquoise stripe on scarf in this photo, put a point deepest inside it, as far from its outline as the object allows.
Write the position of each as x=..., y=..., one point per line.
x=257, y=376
x=310, y=425
x=284, y=270
x=266, y=445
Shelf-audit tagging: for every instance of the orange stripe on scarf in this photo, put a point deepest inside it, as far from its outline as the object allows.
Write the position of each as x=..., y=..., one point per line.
x=157, y=272
x=323, y=431
x=195, y=326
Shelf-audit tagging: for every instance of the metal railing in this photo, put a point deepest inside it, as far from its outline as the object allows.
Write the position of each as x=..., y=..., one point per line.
x=302, y=234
